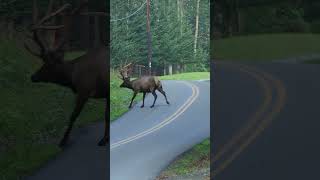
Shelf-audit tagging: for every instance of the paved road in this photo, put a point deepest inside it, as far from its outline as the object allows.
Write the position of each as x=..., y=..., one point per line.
x=284, y=145
x=144, y=141
x=81, y=160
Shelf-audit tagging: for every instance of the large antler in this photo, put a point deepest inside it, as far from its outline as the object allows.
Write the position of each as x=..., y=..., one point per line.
x=124, y=70
x=42, y=24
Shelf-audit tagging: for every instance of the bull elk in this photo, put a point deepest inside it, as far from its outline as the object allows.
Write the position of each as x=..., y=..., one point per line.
x=87, y=76
x=144, y=84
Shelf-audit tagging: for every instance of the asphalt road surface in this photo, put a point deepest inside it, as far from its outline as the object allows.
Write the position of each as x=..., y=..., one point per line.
x=145, y=140
x=82, y=159
x=266, y=121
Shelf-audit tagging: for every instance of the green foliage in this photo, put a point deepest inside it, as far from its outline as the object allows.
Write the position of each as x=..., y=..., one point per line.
x=33, y=116
x=275, y=19
x=172, y=29
x=315, y=26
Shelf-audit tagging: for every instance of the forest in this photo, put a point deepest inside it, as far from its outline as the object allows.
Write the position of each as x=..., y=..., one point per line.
x=179, y=34
x=86, y=30
x=242, y=17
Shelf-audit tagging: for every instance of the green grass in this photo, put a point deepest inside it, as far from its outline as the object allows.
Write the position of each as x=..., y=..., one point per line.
x=191, y=161
x=266, y=47
x=33, y=116
x=187, y=76
x=314, y=61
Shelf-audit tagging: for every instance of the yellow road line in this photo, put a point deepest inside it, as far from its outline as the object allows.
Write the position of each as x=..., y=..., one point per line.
x=168, y=120
x=280, y=102
x=267, y=91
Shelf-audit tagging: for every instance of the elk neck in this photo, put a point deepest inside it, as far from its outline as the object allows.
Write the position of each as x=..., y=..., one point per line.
x=64, y=77
x=129, y=85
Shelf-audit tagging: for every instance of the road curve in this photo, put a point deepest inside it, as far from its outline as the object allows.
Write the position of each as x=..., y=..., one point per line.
x=287, y=148
x=144, y=140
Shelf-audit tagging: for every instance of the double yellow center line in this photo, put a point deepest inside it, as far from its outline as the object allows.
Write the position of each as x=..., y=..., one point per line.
x=260, y=120
x=166, y=121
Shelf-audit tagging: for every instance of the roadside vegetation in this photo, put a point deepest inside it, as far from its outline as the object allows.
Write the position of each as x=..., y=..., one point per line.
x=266, y=47
x=33, y=116
x=191, y=162
x=315, y=61
x=187, y=76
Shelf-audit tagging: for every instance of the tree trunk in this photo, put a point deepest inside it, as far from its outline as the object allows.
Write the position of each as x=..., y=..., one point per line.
x=170, y=69
x=196, y=30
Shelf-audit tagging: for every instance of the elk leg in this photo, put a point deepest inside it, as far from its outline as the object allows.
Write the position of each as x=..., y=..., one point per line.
x=81, y=100
x=164, y=94
x=134, y=95
x=105, y=138
x=155, y=98
x=144, y=95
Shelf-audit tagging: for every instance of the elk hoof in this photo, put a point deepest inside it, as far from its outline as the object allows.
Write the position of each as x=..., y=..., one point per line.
x=152, y=106
x=130, y=107
x=142, y=106
x=168, y=102
x=103, y=142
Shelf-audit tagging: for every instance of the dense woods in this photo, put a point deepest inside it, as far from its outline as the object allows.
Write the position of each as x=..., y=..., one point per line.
x=179, y=34
x=86, y=30
x=240, y=17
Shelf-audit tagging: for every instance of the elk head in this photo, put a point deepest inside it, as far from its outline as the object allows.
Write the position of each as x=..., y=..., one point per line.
x=124, y=72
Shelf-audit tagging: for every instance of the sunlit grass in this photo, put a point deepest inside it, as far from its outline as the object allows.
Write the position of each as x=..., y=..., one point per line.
x=187, y=76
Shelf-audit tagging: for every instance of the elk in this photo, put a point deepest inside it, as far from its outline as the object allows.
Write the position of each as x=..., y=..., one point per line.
x=87, y=76
x=144, y=84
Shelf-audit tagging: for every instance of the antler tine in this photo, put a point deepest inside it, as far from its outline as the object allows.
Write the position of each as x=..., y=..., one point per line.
x=50, y=7
x=127, y=65
x=39, y=42
x=31, y=51
x=48, y=17
x=76, y=10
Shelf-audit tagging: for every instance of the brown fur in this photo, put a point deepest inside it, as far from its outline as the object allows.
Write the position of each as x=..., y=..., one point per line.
x=145, y=84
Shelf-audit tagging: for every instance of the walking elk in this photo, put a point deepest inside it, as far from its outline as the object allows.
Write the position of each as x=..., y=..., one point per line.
x=144, y=84
x=87, y=76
